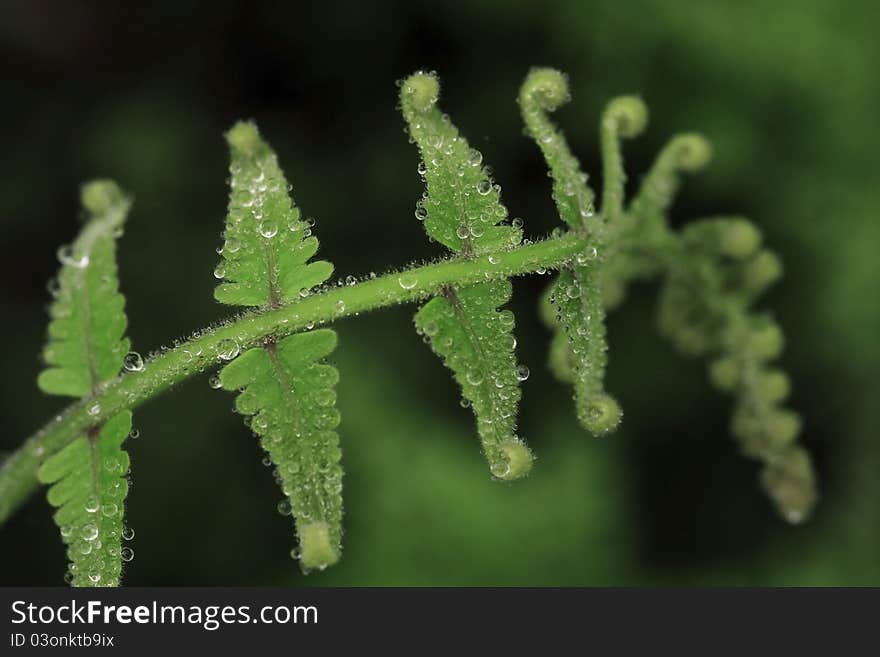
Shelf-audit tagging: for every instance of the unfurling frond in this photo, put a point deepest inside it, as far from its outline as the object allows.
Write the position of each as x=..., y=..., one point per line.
x=287, y=392
x=86, y=349
x=267, y=244
x=462, y=209
x=704, y=309
x=289, y=397
x=580, y=356
x=89, y=488
x=579, y=304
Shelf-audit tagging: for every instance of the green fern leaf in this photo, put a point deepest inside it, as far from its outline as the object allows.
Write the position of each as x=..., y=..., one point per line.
x=462, y=209
x=579, y=302
x=476, y=342
x=577, y=291
x=286, y=391
x=89, y=487
x=86, y=334
x=290, y=399
x=267, y=245
x=86, y=349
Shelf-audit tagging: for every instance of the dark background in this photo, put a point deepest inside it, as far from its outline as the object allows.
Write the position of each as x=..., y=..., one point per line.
x=788, y=94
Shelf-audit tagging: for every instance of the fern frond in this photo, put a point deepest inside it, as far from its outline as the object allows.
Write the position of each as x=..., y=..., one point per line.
x=289, y=398
x=89, y=487
x=705, y=309
x=86, y=349
x=545, y=90
x=475, y=340
x=267, y=244
x=86, y=333
x=462, y=209
x=287, y=392
x=577, y=290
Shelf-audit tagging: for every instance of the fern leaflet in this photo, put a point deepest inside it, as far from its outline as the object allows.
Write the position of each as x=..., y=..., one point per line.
x=462, y=210
x=577, y=290
x=286, y=391
x=86, y=349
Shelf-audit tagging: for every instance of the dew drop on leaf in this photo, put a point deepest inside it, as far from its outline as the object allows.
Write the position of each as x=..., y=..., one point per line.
x=407, y=281
x=133, y=362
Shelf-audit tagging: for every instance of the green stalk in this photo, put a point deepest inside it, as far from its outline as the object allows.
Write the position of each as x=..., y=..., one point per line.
x=217, y=345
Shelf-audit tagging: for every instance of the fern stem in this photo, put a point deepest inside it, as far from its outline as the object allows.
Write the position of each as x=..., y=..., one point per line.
x=214, y=346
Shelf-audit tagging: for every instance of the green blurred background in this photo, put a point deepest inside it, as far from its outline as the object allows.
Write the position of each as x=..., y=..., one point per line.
x=787, y=92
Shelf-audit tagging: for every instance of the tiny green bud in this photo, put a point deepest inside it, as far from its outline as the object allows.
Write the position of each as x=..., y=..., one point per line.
x=725, y=373
x=99, y=196
x=762, y=270
x=546, y=87
x=629, y=113
x=316, y=549
x=692, y=150
x=782, y=427
x=600, y=415
x=790, y=482
x=244, y=137
x=519, y=459
x=773, y=386
x=739, y=238
x=420, y=91
x=766, y=341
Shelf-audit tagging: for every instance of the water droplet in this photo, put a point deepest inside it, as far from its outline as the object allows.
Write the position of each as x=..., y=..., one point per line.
x=422, y=168
x=421, y=213
x=284, y=507
x=215, y=382
x=350, y=280
x=127, y=533
x=407, y=281
x=133, y=362
x=94, y=577
x=475, y=157
x=516, y=222
x=67, y=257
x=89, y=532
x=127, y=554
x=94, y=409
x=53, y=287
x=220, y=271
x=228, y=349
x=474, y=377
x=304, y=292
x=522, y=372
x=484, y=187
x=268, y=229
x=92, y=504
x=110, y=510
x=340, y=306
x=465, y=402
x=500, y=469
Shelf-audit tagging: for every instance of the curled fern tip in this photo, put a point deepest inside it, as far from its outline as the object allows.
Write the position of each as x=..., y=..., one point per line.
x=420, y=91
x=545, y=88
x=629, y=114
